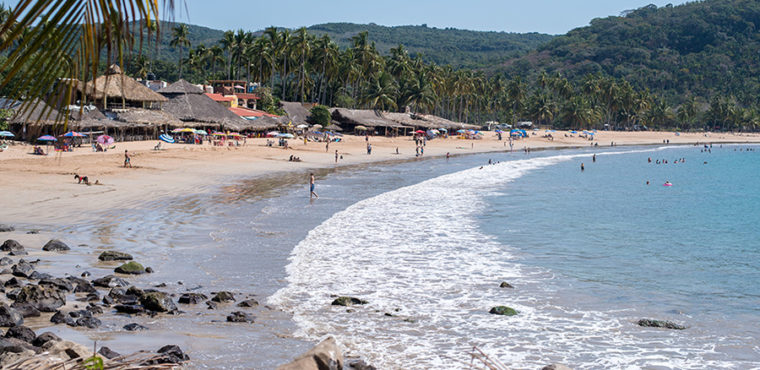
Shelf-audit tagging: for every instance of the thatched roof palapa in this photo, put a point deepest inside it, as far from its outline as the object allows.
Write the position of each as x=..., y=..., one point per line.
x=189, y=104
x=297, y=112
x=34, y=112
x=148, y=117
x=91, y=118
x=115, y=85
x=364, y=117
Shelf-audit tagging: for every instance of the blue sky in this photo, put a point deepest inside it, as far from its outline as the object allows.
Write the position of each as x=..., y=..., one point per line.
x=546, y=16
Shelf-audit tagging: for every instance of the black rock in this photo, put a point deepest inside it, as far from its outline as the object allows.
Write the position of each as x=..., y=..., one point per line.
x=12, y=293
x=192, y=298
x=39, y=276
x=108, y=353
x=14, y=345
x=347, y=301
x=129, y=308
x=18, y=253
x=92, y=297
x=26, y=309
x=11, y=245
x=114, y=256
x=94, y=309
x=173, y=354
x=360, y=365
x=57, y=283
x=149, y=270
x=110, y=281
x=158, y=302
x=55, y=245
x=6, y=228
x=43, y=338
x=503, y=310
x=223, y=297
x=33, y=231
x=660, y=324
x=89, y=322
x=248, y=303
x=239, y=316
x=21, y=332
x=211, y=305
x=9, y=316
x=42, y=297
x=5, y=261
x=22, y=269
x=135, y=291
x=12, y=283
x=61, y=317
x=134, y=327
x=86, y=274
x=85, y=287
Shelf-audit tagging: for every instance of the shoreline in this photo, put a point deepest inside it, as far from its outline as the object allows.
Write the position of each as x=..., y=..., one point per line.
x=290, y=177
x=31, y=183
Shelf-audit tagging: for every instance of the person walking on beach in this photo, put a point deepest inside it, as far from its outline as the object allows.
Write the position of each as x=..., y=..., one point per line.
x=327, y=147
x=127, y=159
x=312, y=194
x=336, y=155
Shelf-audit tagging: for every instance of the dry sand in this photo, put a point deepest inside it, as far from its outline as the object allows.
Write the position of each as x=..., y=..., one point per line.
x=42, y=189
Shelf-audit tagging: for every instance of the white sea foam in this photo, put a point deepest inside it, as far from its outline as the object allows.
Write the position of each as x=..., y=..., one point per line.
x=417, y=254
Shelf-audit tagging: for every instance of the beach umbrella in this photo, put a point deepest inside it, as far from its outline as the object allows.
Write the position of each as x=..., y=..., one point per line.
x=289, y=136
x=105, y=140
x=166, y=138
x=233, y=134
x=6, y=134
x=573, y=132
x=434, y=131
x=201, y=132
x=302, y=126
x=272, y=133
x=360, y=128
x=219, y=134
x=73, y=134
x=461, y=131
x=47, y=138
x=317, y=126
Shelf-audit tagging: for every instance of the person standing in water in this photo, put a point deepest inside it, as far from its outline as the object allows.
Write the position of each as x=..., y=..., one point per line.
x=582, y=168
x=312, y=194
x=593, y=159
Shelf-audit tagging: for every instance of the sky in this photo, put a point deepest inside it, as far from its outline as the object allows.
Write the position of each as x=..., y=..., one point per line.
x=544, y=16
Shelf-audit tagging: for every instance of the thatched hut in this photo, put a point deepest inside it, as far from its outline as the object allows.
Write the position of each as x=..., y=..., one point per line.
x=447, y=124
x=298, y=113
x=190, y=105
x=92, y=121
x=116, y=90
x=141, y=124
x=349, y=119
x=31, y=119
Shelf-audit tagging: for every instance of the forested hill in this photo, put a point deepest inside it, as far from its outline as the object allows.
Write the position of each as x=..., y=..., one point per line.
x=459, y=48
x=702, y=48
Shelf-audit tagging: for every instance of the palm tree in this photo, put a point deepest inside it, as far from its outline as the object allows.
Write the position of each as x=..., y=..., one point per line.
x=302, y=42
x=228, y=44
x=283, y=46
x=180, y=40
x=66, y=39
x=327, y=52
x=381, y=92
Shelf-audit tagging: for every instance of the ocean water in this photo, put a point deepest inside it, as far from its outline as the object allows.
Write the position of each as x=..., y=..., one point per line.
x=589, y=253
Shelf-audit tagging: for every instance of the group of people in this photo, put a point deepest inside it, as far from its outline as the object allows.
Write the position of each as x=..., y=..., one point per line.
x=665, y=161
x=294, y=158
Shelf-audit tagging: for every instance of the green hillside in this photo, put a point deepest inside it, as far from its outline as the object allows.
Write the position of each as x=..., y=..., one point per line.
x=704, y=49
x=459, y=48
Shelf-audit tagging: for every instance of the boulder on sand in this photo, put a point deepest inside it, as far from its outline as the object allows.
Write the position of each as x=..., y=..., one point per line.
x=21, y=332
x=158, y=302
x=131, y=267
x=239, y=317
x=43, y=338
x=22, y=269
x=55, y=245
x=192, y=298
x=42, y=297
x=6, y=228
x=9, y=316
x=110, y=281
x=11, y=245
x=223, y=297
x=325, y=355
x=660, y=324
x=114, y=256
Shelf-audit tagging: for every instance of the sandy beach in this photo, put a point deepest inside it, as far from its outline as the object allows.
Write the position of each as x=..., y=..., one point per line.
x=42, y=189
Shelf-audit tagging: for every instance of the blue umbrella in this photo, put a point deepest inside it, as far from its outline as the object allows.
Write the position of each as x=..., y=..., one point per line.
x=47, y=138
x=166, y=138
x=6, y=134
x=73, y=134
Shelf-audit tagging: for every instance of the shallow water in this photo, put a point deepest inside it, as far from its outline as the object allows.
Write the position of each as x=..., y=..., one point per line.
x=427, y=242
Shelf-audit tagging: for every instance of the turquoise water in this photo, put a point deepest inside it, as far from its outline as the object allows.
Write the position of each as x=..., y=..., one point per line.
x=589, y=253
x=692, y=247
